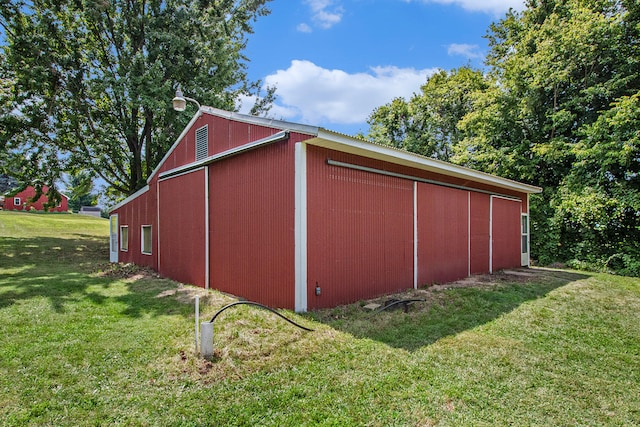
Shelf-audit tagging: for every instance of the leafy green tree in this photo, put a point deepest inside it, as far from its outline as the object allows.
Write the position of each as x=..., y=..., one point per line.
x=569, y=75
x=80, y=191
x=427, y=124
x=88, y=83
x=559, y=108
x=7, y=184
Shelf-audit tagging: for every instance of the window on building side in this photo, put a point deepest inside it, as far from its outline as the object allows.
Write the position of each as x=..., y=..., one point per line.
x=146, y=239
x=124, y=238
x=17, y=201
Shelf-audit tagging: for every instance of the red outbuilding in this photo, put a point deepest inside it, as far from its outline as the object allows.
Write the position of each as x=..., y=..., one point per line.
x=299, y=217
x=22, y=201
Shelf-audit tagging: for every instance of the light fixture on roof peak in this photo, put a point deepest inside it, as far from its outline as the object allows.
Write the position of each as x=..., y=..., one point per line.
x=180, y=101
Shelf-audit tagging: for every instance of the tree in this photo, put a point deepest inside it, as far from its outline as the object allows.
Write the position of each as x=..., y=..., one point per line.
x=428, y=123
x=80, y=191
x=7, y=184
x=563, y=116
x=87, y=84
x=559, y=107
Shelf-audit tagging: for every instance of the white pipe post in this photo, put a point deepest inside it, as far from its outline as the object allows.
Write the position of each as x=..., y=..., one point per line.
x=206, y=339
x=197, y=320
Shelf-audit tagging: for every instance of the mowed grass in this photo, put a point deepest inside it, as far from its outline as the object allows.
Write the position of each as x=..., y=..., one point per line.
x=85, y=343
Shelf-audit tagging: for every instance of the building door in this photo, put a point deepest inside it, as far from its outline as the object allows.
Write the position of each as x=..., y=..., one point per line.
x=525, y=240
x=506, y=232
x=113, y=238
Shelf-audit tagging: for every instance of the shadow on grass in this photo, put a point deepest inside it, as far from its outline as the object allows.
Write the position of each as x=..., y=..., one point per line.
x=445, y=312
x=62, y=272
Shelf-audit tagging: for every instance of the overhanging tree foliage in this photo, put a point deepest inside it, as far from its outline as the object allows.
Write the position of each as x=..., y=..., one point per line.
x=87, y=84
x=558, y=107
x=80, y=191
x=427, y=124
x=569, y=77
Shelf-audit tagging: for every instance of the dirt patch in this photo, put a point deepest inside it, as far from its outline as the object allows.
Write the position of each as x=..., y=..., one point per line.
x=129, y=271
x=185, y=294
x=429, y=293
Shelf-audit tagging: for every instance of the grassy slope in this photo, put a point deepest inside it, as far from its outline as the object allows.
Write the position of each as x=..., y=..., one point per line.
x=81, y=348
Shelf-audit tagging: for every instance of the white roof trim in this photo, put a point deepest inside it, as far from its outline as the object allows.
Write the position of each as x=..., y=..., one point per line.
x=130, y=198
x=340, y=142
x=175, y=144
x=262, y=121
x=223, y=155
x=345, y=143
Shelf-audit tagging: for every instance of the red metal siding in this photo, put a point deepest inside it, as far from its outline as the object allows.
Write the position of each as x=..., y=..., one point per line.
x=479, y=227
x=225, y=134
x=506, y=235
x=443, y=236
x=252, y=225
x=360, y=232
x=185, y=151
x=138, y=212
x=182, y=220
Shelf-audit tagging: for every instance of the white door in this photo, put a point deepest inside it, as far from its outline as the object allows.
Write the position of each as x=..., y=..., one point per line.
x=113, y=238
x=525, y=240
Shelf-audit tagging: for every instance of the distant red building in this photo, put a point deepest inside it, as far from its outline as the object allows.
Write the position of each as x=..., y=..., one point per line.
x=22, y=201
x=300, y=217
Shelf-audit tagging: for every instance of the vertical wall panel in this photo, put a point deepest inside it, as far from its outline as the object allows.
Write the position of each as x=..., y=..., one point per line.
x=506, y=235
x=443, y=225
x=360, y=232
x=252, y=225
x=479, y=226
x=182, y=216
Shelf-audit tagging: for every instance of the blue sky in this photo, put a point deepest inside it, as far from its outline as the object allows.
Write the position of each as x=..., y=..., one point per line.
x=334, y=61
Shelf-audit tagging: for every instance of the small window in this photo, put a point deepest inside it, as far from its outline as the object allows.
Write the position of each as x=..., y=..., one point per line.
x=17, y=201
x=146, y=239
x=124, y=238
x=202, y=143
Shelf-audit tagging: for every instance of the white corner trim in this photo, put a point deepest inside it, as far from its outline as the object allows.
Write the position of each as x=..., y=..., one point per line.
x=300, y=227
x=469, y=233
x=415, y=235
x=207, y=261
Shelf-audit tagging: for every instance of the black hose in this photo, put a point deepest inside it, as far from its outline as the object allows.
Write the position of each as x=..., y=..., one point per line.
x=402, y=301
x=257, y=305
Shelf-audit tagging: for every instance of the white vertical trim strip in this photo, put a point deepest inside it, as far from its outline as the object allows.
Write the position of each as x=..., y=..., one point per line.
x=469, y=233
x=491, y=234
x=415, y=234
x=114, y=246
x=206, y=228
x=300, y=227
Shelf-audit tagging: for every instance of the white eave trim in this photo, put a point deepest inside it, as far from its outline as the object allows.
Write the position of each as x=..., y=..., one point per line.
x=223, y=155
x=130, y=198
x=344, y=143
x=176, y=143
x=262, y=121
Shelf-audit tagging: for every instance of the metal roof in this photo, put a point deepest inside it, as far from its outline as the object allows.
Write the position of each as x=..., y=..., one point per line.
x=341, y=142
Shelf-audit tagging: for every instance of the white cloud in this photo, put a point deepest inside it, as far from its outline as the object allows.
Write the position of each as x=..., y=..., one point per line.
x=470, y=51
x=495, y=7
x=324, y=13
x=304, y=28
x=316, y=95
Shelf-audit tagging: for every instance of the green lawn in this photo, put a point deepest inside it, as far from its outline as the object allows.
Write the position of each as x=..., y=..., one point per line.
x=86, y=343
